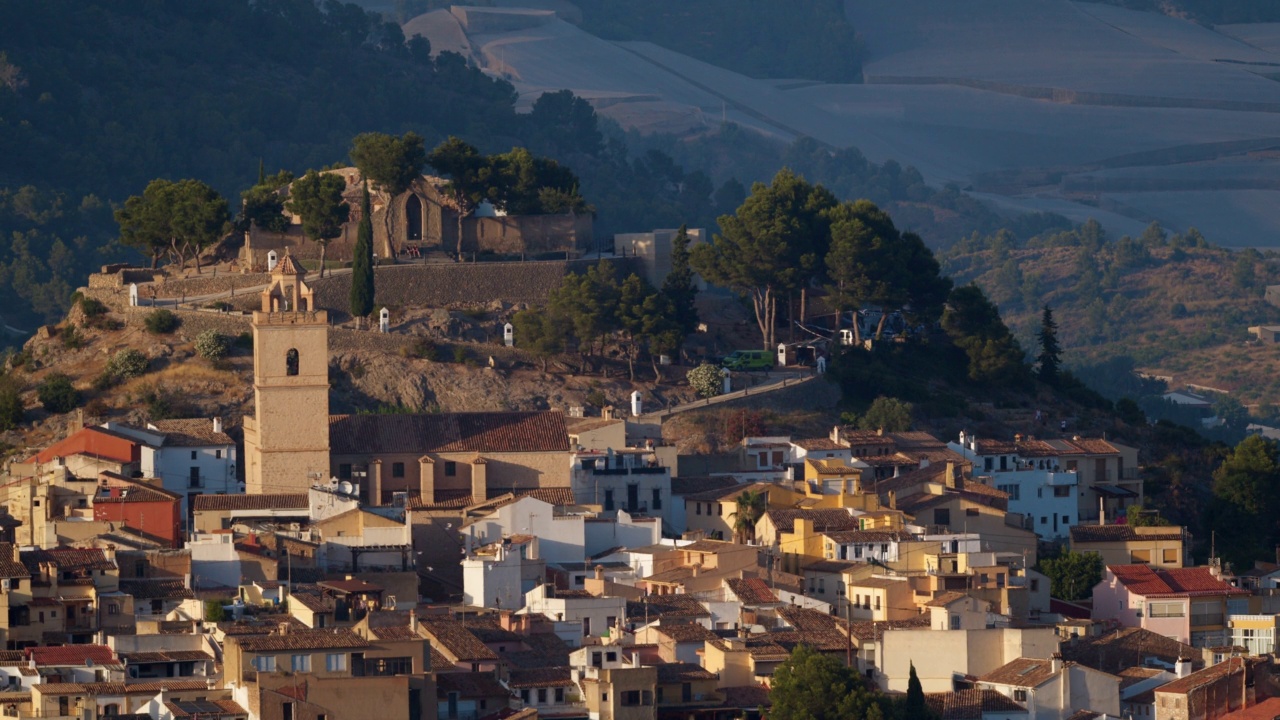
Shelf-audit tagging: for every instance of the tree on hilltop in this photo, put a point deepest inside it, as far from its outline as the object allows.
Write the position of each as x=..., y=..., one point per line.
x=317, y=199
x=177, y=218
x=974, y=325
x=678, y=286
x=391, y=163
x=770, y=246
x=1050, y=357
x=466, y=168
x=262, y=204
x=362, y=290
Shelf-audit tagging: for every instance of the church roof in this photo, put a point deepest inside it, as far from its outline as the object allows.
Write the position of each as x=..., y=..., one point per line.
x=481, y=432
x=288, y=266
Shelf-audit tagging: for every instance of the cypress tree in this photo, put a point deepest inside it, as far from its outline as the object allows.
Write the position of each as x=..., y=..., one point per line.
x=362, y=263
x=915, y=707
x=679, y=286
x=1050, y=351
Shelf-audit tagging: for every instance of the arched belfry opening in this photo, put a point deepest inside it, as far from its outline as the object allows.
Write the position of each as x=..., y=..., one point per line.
x=413, y=218
x=291, y=362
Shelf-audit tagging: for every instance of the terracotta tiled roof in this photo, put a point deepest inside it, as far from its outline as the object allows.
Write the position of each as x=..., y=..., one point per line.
x=686, y=486
x=110, y=688
x=288, y=266
x=1133, y=675
x=970, y=704
x=684, y=606
x=1023, y=672
x=682, y=672
x=747, y=697
x=820, y=443
x=67, y=559
x=457, y=640
x=729, y=493
x=844, y=537
x=686, y=632
x=191, y=433
x=350, y=586
x=1147, y=581
x=9, y=567
x=156, y=589
x=752, y=591
x=138, y=494
x=439, y=662
x=392, y=625
x=1198, y=679
x=71, y=654
x=316, y=602
x=784, y=519
x=444, y=500
x=278, y=501
x=303, y=640
x=1118, y=533
x=1091, y=446
x=759, y=646
x=204, y=709
x=945, y=599
x=482, y=432
x=470, y=685
x=166, y=656
x=539, y=678
x=991, y=446
x=868, y=631
x=545, y=650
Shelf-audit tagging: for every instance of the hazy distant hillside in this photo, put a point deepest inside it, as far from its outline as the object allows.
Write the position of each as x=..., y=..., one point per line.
x=809, y=39
x=1175, y=305
x=1212, y=11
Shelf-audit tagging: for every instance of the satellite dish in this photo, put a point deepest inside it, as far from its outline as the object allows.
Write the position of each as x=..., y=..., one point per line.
x=88, y=662
x=345, y=487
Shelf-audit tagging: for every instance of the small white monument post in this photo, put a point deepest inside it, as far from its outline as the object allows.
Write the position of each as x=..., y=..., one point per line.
x=384, y=320
x=509, y=335
x=635, y=404
x=272, y=258
x=133, y=294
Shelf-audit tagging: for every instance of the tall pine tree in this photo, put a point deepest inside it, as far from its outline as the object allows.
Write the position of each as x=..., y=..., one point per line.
x=678, y=285
x=1050, y=358
x=362, y=263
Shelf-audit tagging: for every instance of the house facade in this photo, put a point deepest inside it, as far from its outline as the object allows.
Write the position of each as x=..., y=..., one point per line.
x=1190, y=605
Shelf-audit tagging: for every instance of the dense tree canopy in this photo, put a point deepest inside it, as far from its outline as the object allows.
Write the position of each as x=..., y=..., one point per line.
x=317, y=198
x=1246, y=507
x=1072, y=575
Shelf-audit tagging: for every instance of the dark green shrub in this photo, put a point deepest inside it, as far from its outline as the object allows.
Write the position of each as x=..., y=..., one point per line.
x=459, y=354
x=57, y=394
x=161, y=322
x=11, y=409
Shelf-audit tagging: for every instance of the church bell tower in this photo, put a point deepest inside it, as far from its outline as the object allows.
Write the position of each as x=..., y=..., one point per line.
x=286, y=443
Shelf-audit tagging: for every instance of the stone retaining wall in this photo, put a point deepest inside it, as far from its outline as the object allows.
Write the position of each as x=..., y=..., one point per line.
x=455, y=284
x=207, y=284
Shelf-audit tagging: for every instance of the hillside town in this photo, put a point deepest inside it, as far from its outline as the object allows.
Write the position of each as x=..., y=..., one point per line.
x=491, y=565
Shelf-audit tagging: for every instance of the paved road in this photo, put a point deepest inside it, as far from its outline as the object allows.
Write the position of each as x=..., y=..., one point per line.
x=144, y=301
x=785, y=382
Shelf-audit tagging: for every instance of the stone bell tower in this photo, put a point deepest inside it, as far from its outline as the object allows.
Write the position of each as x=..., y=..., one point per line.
x=286, y=443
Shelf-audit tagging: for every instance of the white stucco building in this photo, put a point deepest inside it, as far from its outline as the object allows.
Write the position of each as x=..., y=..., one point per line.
x=190, y=457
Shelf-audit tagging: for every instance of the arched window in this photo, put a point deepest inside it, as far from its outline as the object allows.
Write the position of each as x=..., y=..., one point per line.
x=291, y=362
x=413, y=218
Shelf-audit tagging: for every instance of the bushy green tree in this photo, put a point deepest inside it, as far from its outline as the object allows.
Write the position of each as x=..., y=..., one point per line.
x=262, y=205
x=679, y=286
x=1072, y=575
x=12, y=410
x=362, y=290
x=888, y=414
x=539, y=332
x=391, y=163
x=180, y=217
x=770, y=247
x=212, y=345
x=1246, y=501
x=706, y=380
x=317, y=198
x=57, y=394
x=127, y=363
x=161, y=322
x=810, y=685
x=974, y=325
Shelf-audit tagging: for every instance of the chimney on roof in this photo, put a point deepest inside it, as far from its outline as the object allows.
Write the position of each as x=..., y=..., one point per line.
x=880, y=431
x=284, y=628
x=599, y=572
x=1055, y=662
x=606, y=412
x=696, y=569
x=505, y=618
x=951, y=475
x=110, y=552
x=217, y=425
x=835, y=434
x=1182, y=667
x=893, y=500
x=413, y=620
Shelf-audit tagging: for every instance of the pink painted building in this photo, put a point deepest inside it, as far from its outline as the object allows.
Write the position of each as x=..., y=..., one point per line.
x=1190, y=605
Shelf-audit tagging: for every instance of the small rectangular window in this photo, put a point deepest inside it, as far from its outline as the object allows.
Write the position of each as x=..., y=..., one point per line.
x=397, y=470
x=542, y=695
x=301, y=663
x=450, y=468
x=344, y=471
x=559, y=695
x=193, y=454
x=335, y=662
x=657, y=499
x=217, y=454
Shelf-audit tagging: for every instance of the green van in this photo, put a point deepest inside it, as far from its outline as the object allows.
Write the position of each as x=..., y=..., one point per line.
x=748, y=360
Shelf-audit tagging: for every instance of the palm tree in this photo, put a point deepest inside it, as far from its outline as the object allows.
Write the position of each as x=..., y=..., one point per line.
x=751, y=506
